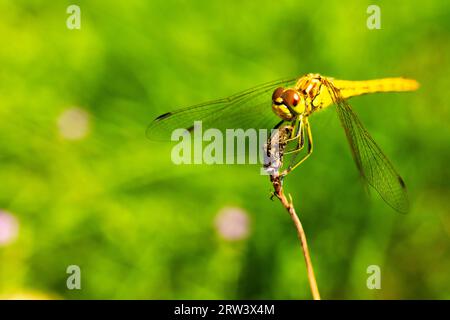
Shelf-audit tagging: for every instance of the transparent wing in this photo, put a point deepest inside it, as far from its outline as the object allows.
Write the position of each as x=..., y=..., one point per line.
x=248, y=109
x=373, y=165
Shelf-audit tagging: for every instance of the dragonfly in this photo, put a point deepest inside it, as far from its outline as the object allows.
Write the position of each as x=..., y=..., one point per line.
x=291, y=102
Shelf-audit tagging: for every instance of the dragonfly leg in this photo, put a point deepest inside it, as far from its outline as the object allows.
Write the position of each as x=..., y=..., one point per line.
x=299, y=136
x=310, y=149
x=295, y=133
x=297, y=130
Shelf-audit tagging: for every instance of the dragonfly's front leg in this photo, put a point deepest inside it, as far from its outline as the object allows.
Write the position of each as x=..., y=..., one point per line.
x=298, y=135
x=307, y=130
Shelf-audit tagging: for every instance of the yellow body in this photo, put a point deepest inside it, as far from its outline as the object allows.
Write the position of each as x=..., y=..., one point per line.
x=355, y=88
x=350, y=89
x=313, y=90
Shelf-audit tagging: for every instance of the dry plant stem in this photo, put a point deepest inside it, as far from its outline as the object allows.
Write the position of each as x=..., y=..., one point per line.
x=279, y=193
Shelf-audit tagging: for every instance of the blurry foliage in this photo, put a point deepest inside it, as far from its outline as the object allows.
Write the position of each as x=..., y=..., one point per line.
x=141, y=227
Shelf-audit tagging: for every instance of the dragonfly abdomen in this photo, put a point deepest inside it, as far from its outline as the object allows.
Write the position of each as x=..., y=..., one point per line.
x=355, y=88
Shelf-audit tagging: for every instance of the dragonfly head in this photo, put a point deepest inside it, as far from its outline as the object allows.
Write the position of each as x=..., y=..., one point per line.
x=287, y=103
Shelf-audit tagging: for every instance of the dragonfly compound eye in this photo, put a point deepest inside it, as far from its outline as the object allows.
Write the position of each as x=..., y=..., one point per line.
x=276, y=96
x=290, y=98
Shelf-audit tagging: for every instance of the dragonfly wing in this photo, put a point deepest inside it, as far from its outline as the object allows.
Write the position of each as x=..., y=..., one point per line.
x=245, y=110
x=373, y=165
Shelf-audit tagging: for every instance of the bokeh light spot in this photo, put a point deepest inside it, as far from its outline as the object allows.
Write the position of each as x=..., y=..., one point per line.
x=9, y=228
x=232, y=223
x=74, y=124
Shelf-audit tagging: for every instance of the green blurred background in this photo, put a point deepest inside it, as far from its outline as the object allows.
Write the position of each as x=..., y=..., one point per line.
x=80, y=184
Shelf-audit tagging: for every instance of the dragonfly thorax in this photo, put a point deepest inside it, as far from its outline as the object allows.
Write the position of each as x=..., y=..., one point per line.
x=287, y=103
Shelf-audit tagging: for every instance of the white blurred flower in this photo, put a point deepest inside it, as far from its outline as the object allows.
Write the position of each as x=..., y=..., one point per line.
x=232, y=223
x=73, y=123
x=9, y=228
